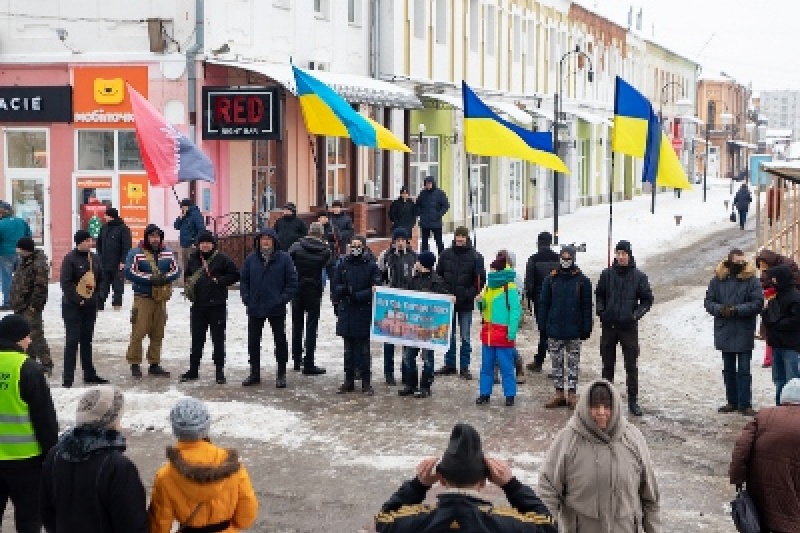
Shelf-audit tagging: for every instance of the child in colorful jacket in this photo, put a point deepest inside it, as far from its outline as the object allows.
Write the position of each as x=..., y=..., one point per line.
x=499, y=304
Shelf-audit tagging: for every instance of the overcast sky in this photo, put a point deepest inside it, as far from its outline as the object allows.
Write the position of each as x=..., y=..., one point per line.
x=752, y=40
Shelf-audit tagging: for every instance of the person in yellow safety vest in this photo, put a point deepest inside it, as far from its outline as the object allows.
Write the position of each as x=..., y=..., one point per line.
x=28, y=424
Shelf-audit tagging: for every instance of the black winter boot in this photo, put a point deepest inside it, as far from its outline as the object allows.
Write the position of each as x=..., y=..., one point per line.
x=190, y=375
x=252, y=379
x=220, y=377
x=633, y=407
x=280, y=377
x=347, y=386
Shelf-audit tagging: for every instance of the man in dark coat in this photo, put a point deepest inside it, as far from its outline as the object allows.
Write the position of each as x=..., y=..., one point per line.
x=565, y=316
x=403, y=212
x=353, y=282
x=537, y=269
x=734, y=298
x=268, y=282
x=463, y=270
x=190, y=223
x=79, y=308
x=29, y=295
x=782, y=323
x=765, y=459
x=329, y=238
x=741, y=201
x=432, y=205
x=89, y=461
x=211, y=273
x=289, y=228
x=343, y=229
x=310, y=255
x=623, y=297
x=25, y=395
x=463, y=471
x=113, y=245
x=396, y=264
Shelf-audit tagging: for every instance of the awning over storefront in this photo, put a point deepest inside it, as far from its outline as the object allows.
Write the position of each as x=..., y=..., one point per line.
x=517, y=114
x=353, y=88
x=693, y=120
x=453, y=101
x=788, y=170
x=744, y=144
x=591, y=118
x=544, y=113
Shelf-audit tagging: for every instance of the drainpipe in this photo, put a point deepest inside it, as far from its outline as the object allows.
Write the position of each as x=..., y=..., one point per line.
x=191, y=69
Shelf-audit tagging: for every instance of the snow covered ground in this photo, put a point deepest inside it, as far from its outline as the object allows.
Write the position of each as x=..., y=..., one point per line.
x=389, y=434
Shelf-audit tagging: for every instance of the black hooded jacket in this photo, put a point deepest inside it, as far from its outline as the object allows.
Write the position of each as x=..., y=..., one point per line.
x=219, y=273
x=290, y=229
x=403, y=214
x=463, y=271
x=113, y=244
x=537, y=269
x=310, y=256
x=782, y=315
x=623, y=295
x=89, y=486
x=432, y=205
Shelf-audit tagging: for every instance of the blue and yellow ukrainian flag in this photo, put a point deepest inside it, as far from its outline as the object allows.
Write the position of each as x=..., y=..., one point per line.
x=485, y=133
x=327, y=113
x=637, y=132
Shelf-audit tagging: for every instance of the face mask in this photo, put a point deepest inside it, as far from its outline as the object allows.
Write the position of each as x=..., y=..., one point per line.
x=735, y=268
x=566, y=263
x=356, y=251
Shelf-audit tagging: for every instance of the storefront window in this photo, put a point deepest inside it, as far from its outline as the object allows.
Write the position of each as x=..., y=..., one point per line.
x=336, y=168
x=129, y=156
x=27, y=199
x=425, y=163
x=95, y=150
x=26, y=149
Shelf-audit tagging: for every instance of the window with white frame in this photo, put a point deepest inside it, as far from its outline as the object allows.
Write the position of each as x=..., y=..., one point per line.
x=491, y=29
x=532, y=36
x=551, y=44
x=283, y=4
x=424, y=163
x=322, y=9
x=474, y=26
x=354, y=15
x=420, y=18
x=517, y=34
x=441, y=21
x=336, y=168
x=26, y=171
x=109, y=150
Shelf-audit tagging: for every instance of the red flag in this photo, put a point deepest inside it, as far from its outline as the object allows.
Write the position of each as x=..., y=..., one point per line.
x=168, y=155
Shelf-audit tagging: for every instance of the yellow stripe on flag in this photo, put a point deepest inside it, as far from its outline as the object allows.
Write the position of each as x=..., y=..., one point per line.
x=629, y=136
x=670, y=171
x=319, y=118
x=386, y=139
x=484, y=136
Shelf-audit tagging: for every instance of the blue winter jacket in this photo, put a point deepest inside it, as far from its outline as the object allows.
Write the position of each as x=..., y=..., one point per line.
x=190, y=226
x=352, y=284
x=565, y=306
x=12, y=229
x=138, y=270
x=431, y=205
x=266, y=287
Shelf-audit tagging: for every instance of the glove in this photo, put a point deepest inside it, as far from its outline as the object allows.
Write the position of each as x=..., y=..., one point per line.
x=728, y=311
x=585, y=336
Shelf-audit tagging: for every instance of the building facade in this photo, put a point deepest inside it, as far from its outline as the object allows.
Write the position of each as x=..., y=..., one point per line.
x=782, y=110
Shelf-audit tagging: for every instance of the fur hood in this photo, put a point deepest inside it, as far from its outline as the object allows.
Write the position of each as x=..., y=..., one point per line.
x=204, y=473
x=722, y=271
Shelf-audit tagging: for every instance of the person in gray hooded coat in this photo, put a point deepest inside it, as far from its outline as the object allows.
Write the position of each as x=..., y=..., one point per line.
x=597, y=475
x=734, y=298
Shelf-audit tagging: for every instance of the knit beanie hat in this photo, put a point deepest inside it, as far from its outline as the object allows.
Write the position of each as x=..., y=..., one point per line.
x=498, y=264
x=461, y=231
x=399, y=233
x=14, y=328
x=624, y=246
x=27, y=244
x=791, y=392
x=427, y=259
x=291, y=207
x=186, y=202
x=462, y=462
x=190, y=420
x=545, y=238
x=99, y=406
x=205, y=236
x=315, y=229
x=569, y=249
x=81, y=235
x=112, y=212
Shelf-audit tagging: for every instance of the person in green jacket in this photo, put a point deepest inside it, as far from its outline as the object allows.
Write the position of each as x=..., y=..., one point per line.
x=12, y=229
x=500, y=307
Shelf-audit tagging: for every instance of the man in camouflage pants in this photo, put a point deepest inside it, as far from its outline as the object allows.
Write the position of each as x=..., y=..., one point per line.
x=28, y=296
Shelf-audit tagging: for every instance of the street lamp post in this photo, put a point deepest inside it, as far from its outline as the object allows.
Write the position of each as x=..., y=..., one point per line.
x=712, y=109
x=558, y=104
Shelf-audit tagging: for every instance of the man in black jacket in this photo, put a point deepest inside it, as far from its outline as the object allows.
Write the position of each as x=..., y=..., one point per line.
x=310, y=255
x=289, y=228
x=113, y=245
x=25, y=396
x=782, y=322
x=403, y=212
x=463, y=270
x=79, y=308
x=623, y=297
x=432, y=205
x=539, y=266
x=463, y=471
x=343, y=229
x=211, y=273
x=88, y=485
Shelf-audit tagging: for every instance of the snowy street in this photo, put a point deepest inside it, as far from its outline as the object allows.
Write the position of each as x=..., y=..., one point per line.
x=326, y=462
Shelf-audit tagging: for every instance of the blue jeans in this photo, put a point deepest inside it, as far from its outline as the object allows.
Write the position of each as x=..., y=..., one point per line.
x=388, y=361
x=505, y=357
x=736, y=374
x=742, y=218
x=462, y=319
x=7, y=263
x=410, y=367
x=785, y=367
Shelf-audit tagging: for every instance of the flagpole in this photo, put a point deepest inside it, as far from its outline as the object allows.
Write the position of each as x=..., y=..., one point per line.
x=611, y=205
x=471, y=204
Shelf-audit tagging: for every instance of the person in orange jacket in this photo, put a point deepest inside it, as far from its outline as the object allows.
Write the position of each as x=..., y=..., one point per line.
x=202, y=486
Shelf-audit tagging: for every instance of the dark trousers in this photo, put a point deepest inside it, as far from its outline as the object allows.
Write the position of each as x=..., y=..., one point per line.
x=356, y=353
x=388, y=361
x=737, y=378
x=541, y=350
x=437, y=236
x=742, y=218
x=113, y=280
x=628, y=339
x=305, y=308
x=21, y=486
x=201, y=319
x=79, y=325
x=255, y=326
